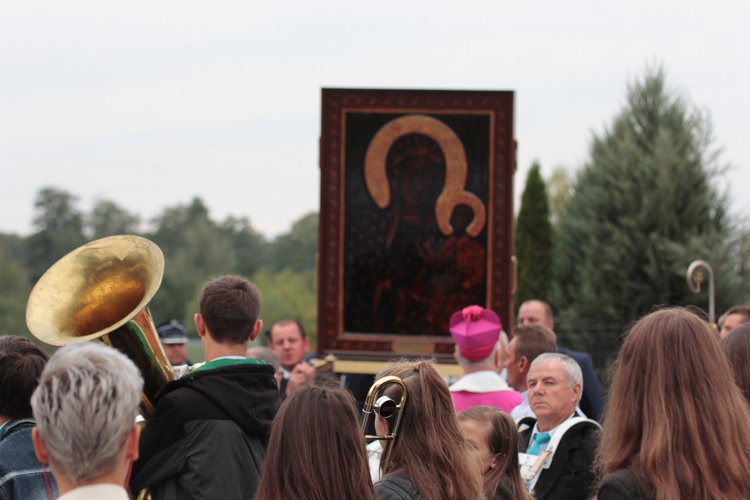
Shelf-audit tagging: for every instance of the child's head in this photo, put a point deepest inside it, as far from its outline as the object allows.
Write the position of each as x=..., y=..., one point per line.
x=493, y=436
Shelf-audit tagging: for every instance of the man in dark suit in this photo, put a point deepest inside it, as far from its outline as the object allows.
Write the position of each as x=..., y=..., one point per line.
x=555, y=385
x=537, y=312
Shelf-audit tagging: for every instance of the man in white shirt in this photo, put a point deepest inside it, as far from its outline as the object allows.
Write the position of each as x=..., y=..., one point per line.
x=288, y=339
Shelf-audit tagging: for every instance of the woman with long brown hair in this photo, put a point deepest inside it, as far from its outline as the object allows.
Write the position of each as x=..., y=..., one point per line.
x=316, y=450
x=430, y=457
x=493, y=435
x=674, y=426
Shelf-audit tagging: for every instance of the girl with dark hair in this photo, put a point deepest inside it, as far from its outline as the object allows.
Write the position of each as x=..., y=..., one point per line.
x=430, y=457
x=316, y=450
x=22, y=476
x=736, y=346
x=494, y=436
x=674, y=427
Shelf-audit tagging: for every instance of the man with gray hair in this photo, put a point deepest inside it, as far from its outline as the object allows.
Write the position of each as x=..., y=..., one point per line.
x=85, y=408
x=555, y=383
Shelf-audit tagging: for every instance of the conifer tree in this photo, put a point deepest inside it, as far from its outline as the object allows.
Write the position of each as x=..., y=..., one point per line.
x=645, y=205
x=534, y=246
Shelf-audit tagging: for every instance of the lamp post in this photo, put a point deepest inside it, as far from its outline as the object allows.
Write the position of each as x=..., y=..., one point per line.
x=695, y=277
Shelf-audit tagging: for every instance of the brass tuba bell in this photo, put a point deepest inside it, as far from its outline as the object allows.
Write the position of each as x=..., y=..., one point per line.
x=100, y=291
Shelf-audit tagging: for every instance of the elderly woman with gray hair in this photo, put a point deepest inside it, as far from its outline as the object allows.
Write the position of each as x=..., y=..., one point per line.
x=85, y=408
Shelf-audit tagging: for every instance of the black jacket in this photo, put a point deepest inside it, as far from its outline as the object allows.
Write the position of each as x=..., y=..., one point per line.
x=624, y=485
x=571, y=475
x=208, y=436
x=396, y=488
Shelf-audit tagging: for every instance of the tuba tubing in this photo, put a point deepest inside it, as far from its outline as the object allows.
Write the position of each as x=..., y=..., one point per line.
x=100, y=291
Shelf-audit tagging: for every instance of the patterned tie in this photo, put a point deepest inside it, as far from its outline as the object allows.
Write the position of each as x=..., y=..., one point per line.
x=539, y=440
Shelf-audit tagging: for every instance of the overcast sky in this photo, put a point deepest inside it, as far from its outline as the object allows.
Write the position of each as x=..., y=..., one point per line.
x=150, y=104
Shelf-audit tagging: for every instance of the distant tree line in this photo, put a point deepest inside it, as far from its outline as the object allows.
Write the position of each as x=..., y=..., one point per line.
x=196, y=249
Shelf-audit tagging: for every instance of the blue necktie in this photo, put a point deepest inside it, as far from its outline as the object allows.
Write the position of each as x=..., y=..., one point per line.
x=539, y=440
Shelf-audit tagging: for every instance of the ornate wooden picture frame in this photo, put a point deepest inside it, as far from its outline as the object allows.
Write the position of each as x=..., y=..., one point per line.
x=416, y=218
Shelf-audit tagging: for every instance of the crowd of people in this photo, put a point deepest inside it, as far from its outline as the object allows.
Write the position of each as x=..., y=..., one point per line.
x=527, y=418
